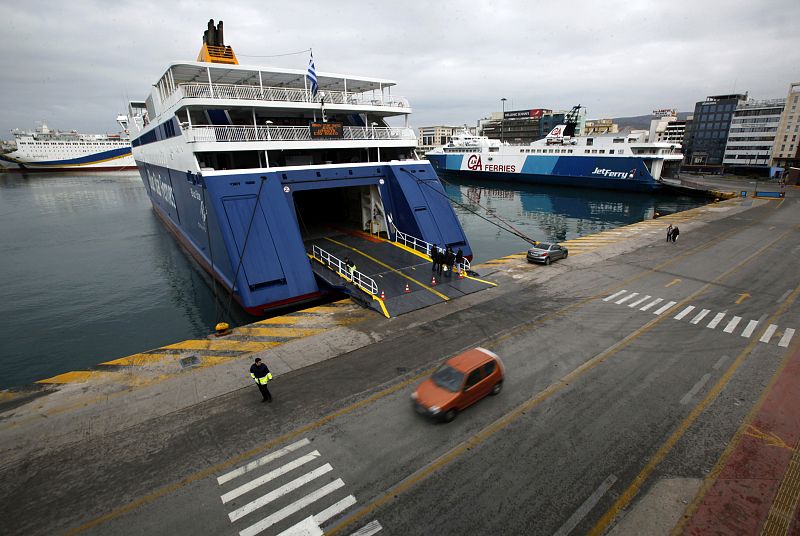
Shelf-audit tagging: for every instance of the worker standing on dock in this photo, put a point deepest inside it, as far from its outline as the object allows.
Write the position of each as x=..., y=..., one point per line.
x=261, y=375
x=669, y=233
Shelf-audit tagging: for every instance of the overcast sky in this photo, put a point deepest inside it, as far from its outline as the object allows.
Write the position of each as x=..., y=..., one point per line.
x=75, y=64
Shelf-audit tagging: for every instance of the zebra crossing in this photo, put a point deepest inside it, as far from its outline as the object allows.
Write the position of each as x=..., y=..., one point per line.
x=731, y=324
x=286, y=484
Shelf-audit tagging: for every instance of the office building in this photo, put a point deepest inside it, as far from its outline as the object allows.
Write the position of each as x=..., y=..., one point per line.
x=706, y=136
x=751, y=136
x=786, y=150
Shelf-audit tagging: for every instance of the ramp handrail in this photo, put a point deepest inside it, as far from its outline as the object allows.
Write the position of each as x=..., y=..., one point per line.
x=364, y=282
x=421, y=245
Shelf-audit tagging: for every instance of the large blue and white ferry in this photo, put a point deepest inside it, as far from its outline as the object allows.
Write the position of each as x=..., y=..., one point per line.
x=618, y=161
x=46, y=149
x=247, y=165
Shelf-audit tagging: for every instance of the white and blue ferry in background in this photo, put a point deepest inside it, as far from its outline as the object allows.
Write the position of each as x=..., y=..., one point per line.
x=246, y=165
x=46, y=149
x=619, y=161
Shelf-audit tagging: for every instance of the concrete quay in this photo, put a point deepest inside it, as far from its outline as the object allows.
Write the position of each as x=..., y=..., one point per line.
x=612, y=419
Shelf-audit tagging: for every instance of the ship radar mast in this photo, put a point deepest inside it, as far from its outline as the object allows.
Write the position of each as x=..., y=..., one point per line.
x=214, y=49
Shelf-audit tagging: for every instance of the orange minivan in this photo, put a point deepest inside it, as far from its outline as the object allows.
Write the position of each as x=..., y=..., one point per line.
x=460, y=382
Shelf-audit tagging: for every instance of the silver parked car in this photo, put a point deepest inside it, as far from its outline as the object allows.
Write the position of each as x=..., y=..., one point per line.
x=546, y=253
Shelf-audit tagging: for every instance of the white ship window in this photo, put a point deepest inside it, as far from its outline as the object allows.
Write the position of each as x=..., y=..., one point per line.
x=586, y=150
x=602, y=151
x=594, y=151
x=569, y=151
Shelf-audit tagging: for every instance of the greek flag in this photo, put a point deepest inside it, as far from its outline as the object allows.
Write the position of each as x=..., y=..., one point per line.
x=312, y=76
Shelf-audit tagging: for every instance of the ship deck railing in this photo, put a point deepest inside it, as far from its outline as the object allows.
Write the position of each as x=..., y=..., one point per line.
x=251, y=133
x=364, y=282
x=422, y=246
x=280, y=94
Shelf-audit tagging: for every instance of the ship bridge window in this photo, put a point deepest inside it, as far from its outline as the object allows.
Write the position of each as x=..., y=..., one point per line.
x=619, y=140
x=493, y=149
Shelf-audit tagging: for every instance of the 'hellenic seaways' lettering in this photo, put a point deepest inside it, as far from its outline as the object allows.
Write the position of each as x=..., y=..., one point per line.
x=474, y=163
x=161, y=188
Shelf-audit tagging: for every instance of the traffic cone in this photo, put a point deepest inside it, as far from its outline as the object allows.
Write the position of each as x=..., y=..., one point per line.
x=408, y=289
x=383, y=296
x=433, y=281
x=461, y=274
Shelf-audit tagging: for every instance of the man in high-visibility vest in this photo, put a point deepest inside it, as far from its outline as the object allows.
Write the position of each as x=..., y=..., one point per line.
x=261, y=375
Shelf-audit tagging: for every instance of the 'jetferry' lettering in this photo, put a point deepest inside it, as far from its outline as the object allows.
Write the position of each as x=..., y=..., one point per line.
x=615, y=174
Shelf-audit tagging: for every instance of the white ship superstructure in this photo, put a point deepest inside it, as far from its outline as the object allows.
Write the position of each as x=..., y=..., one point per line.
x=44, y=149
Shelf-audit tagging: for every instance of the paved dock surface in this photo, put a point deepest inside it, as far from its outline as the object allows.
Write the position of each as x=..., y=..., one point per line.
x=650, y=388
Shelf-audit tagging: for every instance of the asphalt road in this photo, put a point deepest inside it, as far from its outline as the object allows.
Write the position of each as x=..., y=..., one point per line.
x=602, y=400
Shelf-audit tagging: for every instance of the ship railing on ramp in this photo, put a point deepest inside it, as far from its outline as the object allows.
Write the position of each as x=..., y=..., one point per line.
x=364, y=282
x=420, y=245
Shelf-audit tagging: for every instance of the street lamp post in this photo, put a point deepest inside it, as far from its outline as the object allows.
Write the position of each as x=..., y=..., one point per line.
x=502, y=119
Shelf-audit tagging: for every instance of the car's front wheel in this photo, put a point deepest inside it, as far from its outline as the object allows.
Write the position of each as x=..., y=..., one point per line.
x=449, y=415
x=497, y=388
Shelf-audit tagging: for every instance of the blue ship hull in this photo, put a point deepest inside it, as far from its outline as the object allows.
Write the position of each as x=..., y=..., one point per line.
x=627, y=173
x=243, y=228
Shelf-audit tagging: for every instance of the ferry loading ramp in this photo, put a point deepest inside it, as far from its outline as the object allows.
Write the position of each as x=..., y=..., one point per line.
x=405, y=279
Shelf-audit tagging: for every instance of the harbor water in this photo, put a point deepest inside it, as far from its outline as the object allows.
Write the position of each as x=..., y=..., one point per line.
x=90, y=274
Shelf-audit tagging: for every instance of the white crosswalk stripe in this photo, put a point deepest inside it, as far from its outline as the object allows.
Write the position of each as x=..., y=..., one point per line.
x=295, y=490
x=732, y=324
x=683, y=313
x=609, y=298
x=701, y=315
x=664, y=308
x=787, y=337
x=716, y=320
x=768, y=333
x=373, y=527
x=748, y=330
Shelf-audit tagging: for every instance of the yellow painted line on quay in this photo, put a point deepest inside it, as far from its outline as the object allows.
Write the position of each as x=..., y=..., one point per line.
x=138, y=359
x=78, y=376
x=293, y=333
x=280, y=320
x=150, y=497
x=217, y=345
x=398, y=272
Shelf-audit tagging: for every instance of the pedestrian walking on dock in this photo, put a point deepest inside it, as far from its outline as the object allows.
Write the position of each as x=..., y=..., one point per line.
x=459, y=259
x=434, y=257
x=260, y=373
x=675, y=233
x=669, y=232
